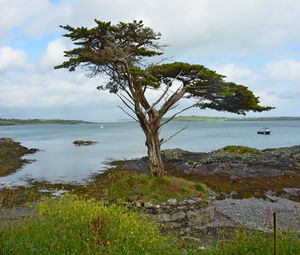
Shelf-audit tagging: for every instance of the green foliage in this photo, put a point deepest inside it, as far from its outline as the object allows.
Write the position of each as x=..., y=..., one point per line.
x=240, y=150
x=72, y=225
x=257, y=243
x=118, y=51
x=201, y=187
x=105, y=44
x=152, y=188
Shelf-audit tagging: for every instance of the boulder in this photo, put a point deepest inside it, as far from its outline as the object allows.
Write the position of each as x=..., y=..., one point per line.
x=83, y=142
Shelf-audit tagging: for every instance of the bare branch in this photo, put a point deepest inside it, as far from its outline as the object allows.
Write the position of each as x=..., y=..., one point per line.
x=127, y=113
x=124, y=102
x=164, y=141
x=173, y=107
x=165, y=92
x=172, y=117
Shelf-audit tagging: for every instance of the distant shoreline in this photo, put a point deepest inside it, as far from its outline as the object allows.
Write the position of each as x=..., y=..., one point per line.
x=8, y=122
x=203, y=118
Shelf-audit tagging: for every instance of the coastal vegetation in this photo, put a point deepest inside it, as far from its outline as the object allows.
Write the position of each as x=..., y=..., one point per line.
x=120, y=52
x=73, y=225
x=77, y=225
x=131, y=186
x=106, y=215
x=6, y=122
x=240, y=150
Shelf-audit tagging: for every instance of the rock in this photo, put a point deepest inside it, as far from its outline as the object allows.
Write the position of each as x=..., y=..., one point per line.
x=272, y=198
x=261, y=164
x=11, y=153
x=290, y=172
x=172, y=201
x=191, y=201
x=149, y=205
x=177, y=216
x=258, y=213
x=164, y=217
x=83, y=142
x=233, y=194
x=58, y=193
x=44, y=191
x=137, y=201
x=292, y=191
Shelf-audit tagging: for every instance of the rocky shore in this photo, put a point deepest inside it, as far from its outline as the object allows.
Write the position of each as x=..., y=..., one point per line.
x=10, y=156
x=250, y=185
x=236, y=171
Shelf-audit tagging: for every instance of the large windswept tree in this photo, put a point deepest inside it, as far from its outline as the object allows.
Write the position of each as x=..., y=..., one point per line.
x=119, y=52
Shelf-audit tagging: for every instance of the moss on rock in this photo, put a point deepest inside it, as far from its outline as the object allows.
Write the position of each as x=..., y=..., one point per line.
x=10, y=156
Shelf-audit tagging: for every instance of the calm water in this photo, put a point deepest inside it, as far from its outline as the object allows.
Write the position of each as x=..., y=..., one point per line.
x=60, y=160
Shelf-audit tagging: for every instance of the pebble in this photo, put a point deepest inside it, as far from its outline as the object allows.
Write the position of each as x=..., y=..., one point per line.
x=258, y=213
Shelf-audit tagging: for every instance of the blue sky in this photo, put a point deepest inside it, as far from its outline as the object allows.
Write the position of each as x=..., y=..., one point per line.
x=252, y=42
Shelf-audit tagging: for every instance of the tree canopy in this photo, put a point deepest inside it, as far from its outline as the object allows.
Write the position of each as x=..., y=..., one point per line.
x=119, y=53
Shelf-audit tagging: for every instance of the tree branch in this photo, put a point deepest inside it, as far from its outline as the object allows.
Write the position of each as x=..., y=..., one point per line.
x=165, y=92
x=164, y=141
x=127, y=113
x=124, y=102
x=173, y=116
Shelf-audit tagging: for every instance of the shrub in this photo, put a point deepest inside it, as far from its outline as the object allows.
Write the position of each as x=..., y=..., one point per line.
x=72, y=225
x=240, y=150
x=153, y=189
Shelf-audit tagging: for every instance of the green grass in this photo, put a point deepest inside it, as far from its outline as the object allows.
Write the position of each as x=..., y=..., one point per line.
x=240, y=150
x=73, y=225
x=151, y=188
x=257, y=243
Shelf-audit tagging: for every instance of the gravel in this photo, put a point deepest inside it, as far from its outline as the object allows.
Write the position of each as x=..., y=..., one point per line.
x=258, y=213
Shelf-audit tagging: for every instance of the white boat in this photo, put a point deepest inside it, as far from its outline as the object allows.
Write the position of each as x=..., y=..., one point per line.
x=265, y=131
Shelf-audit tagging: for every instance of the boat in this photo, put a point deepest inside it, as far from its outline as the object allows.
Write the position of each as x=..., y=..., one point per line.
x=101, y=126
x=265, y=131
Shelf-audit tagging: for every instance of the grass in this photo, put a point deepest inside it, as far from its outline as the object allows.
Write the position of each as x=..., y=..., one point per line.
x=76, y=225
x=240, y=150
x=153, y=189
x=73, y=225
x=256, y=243
x=112, y=185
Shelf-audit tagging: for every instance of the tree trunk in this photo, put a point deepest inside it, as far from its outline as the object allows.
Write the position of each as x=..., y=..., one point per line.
x=155, y=162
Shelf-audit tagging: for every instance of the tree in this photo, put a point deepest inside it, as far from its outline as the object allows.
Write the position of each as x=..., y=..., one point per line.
x=119, y=52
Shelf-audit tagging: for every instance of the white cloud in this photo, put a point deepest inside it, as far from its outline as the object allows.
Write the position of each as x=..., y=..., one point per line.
x=51, y=89
x=12, y=59
x=234, y=72
x=202, y=26
x=192, y=27
x=31, y=17
x=228, y=35
x=286, y=71
x=54, y=54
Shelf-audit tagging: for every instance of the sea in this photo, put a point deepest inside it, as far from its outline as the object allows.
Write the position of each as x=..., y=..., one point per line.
x=59, y=160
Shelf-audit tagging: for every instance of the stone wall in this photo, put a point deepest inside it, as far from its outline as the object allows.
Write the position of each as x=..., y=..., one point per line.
x=182, y=217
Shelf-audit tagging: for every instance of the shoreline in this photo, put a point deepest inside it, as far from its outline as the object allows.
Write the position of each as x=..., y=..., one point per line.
x=9, y=122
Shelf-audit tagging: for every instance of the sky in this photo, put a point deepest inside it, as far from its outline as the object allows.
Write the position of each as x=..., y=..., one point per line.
x=253, y=42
